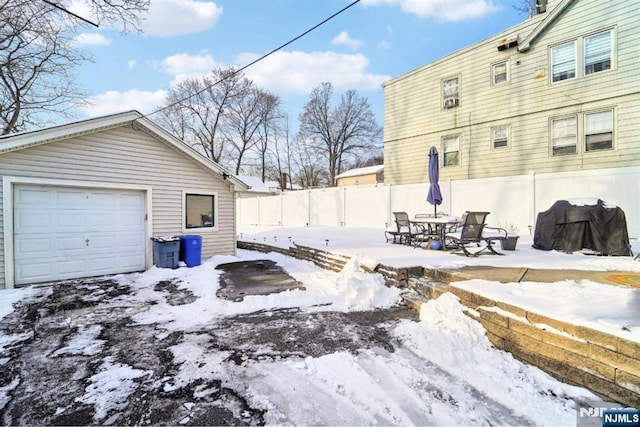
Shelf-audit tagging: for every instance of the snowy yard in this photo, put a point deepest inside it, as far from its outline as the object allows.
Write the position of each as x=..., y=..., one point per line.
x=161, y=347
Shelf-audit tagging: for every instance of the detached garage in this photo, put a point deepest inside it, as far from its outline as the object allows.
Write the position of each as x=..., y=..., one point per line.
x=83, y=199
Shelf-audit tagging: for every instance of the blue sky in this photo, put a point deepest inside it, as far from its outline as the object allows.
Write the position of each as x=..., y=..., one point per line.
x=368, y=44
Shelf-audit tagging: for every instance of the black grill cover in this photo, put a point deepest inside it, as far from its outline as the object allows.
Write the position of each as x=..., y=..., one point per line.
x=570, y=228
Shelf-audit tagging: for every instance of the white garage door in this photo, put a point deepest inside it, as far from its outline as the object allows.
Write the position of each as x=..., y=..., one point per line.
x=64, y=233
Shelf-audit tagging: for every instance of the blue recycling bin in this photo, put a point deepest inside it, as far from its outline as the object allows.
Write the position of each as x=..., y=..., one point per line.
x=191, y=249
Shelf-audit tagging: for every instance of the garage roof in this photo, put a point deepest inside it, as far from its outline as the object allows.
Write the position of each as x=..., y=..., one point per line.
x=14, y=142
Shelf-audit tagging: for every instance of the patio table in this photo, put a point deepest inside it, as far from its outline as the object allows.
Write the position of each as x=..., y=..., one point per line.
x=436, y=226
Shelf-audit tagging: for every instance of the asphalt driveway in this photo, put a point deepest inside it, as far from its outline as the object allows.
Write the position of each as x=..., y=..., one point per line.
x=58, y=346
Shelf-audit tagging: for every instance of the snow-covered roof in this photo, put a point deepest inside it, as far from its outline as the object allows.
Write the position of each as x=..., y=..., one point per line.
x=255, y=184
x=361, y=171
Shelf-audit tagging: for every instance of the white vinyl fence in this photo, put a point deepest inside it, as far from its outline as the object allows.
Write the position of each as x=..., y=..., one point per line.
x=514, y=200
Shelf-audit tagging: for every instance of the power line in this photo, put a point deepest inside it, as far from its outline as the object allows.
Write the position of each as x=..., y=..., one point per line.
x=57, y=6
x=256, y=60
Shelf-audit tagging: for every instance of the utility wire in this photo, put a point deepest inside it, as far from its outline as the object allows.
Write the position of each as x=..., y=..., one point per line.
x=57, y=6
x=256, y=60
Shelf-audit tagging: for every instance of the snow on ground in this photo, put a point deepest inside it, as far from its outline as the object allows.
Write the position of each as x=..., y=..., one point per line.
x=369, y=245
x=611, y=309
x=443, y=370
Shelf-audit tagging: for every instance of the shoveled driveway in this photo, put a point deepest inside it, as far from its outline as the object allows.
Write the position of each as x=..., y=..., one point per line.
x=54, y=348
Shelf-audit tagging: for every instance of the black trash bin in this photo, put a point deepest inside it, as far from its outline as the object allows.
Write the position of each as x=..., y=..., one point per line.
x=191, y=249
x=166, y=251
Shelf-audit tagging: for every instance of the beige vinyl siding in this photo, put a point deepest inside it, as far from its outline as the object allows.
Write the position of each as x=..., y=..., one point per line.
x=415, y=119
x=132, y=157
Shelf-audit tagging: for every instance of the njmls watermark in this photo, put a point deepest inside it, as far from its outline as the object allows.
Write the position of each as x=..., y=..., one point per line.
x=606, y=414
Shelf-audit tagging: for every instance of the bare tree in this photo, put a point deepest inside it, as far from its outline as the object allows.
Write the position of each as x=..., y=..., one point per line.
x=349, y=129
x=245, y=121
x=197, y=111
x=38, y=57
x=269, y=128
x=310, y=172
x=281, y=153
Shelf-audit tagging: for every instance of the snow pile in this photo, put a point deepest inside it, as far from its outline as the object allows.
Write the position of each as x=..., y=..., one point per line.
x=457, y=344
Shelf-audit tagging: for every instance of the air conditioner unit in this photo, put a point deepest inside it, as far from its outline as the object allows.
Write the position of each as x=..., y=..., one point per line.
x=450, y=102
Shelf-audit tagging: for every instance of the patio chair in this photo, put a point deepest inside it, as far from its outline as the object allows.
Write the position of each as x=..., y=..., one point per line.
x=474, y=231
x=408, y=233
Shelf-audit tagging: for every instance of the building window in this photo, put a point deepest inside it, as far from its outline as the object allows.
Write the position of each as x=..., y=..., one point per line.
x=500, y=136
x=563, y=62
x=598, y=50
x=450, y=92
x=499, y=73
x=451, y=150
x=564, y=135
x=598, y=131
x=199, y=210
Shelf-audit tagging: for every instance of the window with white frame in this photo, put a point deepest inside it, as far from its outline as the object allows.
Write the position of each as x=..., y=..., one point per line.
x=450, y=92
x=598, y=52
x=199, y=210
x=500, y=136
x=598, y=130
x=564, y=135
x=499, y=73
x=563, y=62
x=451, y=150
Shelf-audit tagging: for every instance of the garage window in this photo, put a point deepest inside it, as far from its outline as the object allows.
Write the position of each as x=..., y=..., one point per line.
x=199, y=210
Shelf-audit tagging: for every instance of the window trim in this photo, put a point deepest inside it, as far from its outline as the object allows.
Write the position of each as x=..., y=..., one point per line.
x=444, y=153
x=507, y=73
x=183, y=219
x=584, y=129
x=493, y=140
x=551, y=137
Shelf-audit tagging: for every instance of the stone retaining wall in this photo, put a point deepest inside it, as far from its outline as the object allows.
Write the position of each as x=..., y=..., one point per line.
x=603, y=363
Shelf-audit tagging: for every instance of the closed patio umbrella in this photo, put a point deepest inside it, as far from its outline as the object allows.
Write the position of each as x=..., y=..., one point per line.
x=434, y=196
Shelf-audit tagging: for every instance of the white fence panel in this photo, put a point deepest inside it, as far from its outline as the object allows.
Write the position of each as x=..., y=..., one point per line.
x=618, y=186
x=412, y=199
x=295, y=211
x=271, y=210
x=510, y=201
x=248, y=210
x=366, y=205
x=513, y=200
x=326, y=207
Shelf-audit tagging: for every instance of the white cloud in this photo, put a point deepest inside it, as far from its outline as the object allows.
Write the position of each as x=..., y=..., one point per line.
x=299, y=72
x=183, y=65
x=132, y=63
x=176, y=17
x=344, y=39
x=443, y=10
x=117, y=102
x=92, y=39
